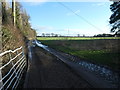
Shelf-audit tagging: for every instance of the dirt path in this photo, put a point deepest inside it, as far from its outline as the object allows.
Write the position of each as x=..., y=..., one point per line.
x=46, y=71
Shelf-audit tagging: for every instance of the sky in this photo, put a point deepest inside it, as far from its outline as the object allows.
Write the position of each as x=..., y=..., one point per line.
x=69, y=18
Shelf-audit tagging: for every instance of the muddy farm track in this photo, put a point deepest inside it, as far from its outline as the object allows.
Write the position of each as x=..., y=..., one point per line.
x=47, y=71
x=48, y=68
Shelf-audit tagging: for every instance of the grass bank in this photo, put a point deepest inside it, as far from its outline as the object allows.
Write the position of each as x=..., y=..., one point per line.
x=100, y=51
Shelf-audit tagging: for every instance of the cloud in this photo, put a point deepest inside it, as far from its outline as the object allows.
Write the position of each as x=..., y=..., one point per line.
x=99, y=4
x=31, y=2
x=72, y=31
x=106, y=29
x=46, y=28
x=36, y=3
x=43, y=29
x=71, y=13
x=86, y=32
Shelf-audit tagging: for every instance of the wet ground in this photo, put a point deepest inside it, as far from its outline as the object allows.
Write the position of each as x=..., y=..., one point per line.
x=97, y=76
x=47, y=71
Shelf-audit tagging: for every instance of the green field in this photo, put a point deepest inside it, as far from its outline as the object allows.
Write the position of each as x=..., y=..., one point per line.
x=75, y=38
x=97, y=50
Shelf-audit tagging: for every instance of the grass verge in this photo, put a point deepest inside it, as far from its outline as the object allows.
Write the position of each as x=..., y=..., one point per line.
x=75, y=38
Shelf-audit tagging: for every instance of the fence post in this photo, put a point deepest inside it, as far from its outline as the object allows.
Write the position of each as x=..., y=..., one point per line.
x=1, y=83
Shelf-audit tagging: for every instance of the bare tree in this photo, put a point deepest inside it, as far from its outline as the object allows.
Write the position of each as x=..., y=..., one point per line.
x=43, y=35
x=52, y=34
x=78, y=35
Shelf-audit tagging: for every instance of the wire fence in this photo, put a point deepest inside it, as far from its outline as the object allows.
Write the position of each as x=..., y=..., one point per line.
x=15, y=68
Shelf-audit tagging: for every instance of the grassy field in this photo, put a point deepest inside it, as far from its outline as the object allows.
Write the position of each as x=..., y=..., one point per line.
x=76, y=38
x=103, y=51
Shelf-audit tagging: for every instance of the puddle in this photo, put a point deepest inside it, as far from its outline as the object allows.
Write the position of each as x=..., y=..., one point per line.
x=42, y=46
x=29, y=53
x=104, y=72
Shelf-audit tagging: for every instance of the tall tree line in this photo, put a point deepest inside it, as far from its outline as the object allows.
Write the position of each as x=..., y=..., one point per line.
x=17, y=17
